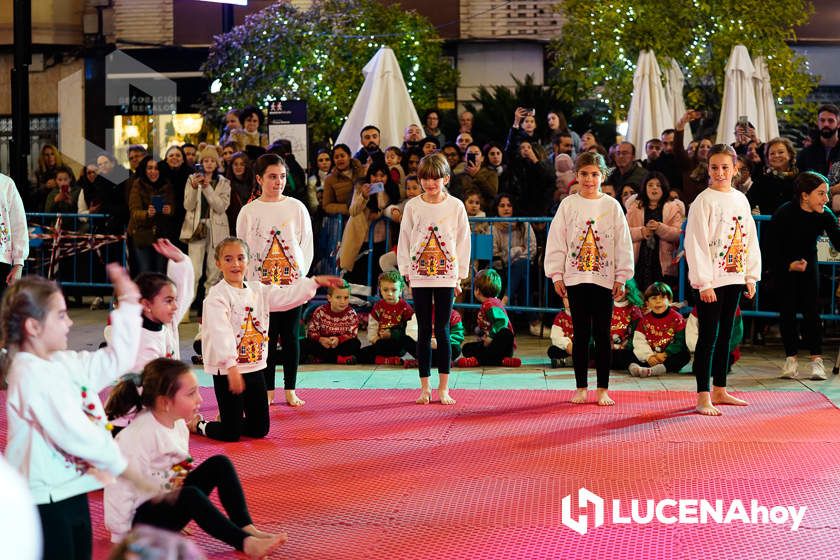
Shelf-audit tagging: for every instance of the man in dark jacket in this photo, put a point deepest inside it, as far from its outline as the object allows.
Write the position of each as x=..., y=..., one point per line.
x=825, y=149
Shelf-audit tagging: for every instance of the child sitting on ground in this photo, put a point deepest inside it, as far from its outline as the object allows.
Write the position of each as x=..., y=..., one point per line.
x=331, y=334
x=562, y=338
x=659, y=340
x=691, y=326
x=386, y=324
x=495, y=331
x=626, y=315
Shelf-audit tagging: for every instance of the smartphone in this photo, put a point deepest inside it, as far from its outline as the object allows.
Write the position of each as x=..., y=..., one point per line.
x=471, y=158
x=157, y=202
x=531, y=111
x=743, y=120
x=199, y=168
x=377, y=187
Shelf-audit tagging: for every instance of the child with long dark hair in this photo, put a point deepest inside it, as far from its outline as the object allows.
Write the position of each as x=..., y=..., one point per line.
x=278, y=231
x=724, y=261
x=58, y=435
x=157, y=442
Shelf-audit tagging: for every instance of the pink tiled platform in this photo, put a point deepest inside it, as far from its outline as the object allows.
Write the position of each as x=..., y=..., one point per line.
x=368, y=474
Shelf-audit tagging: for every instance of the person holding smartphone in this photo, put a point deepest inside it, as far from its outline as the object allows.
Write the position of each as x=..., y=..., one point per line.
x=151, y=203
x=477, y=176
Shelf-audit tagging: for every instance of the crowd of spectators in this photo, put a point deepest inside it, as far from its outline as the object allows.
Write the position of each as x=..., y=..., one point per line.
x=524, y=172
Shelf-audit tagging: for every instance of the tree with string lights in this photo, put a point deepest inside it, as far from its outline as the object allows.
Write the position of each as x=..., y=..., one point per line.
x=596, y=52
x=317, y=56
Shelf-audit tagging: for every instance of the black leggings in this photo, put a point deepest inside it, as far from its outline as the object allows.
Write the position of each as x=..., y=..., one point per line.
x=500, y=348
x=243, y=414
x=285, y=327
x=800, y=291
x=388, y=348
x=591, y=307
x=66, y=530
x=439, y=299
x=193, y=502
x=714, y=331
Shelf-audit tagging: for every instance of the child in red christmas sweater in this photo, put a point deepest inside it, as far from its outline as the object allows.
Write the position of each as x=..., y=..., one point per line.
x=626, y=315
x=386, y=325
x=495, y=331
x=562, y=338
x=331, y=334
x=659, y=340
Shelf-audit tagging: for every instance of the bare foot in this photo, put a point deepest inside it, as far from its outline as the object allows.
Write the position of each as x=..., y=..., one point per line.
x=424, y=398
x=720, y=396
x=580, y=396
x=705, y=406
x=443, y=395
x=604, y=398
x=293, y=400
x=270, y=395
x=256, y=547
x=254, y=532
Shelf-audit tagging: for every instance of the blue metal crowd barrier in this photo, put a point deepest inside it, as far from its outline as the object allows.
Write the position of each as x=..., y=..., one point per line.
x=73, y=248
x=547, y=302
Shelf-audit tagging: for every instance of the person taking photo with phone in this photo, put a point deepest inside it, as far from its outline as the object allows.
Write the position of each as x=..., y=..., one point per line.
x=476, y=176
x=150, y=203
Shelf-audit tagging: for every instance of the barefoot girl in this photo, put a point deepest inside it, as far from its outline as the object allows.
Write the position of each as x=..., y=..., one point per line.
x=235, y=344
x=58, y=436
x=278, y=231
x=157, y=442
x=589, y=257
x=724, y=260
x=434, y=254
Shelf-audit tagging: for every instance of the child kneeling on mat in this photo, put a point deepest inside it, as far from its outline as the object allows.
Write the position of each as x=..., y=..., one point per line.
x=659, y=340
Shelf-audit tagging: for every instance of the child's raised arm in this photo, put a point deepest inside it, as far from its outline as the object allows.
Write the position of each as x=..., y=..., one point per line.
x=102, y=367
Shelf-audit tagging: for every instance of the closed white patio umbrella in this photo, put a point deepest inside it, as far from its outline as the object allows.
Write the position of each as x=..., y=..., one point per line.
x=766, y=123
x=738, y=94
x=674, y=84
x=383, y=102
x=649, y=113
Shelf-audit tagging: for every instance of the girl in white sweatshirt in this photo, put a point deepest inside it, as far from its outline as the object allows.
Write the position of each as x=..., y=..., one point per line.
x=157, y=444
x=724, y=260
x=589, y=257
x=433, y=253
x=278, y=231
x=165, y=300
x=58, y=436
x=235, y=343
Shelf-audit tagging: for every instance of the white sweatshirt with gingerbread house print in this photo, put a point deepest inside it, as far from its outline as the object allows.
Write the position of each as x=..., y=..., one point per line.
x=589, y=243
x=279, y=238
x=235, y=327
x=721, y=245
x=434, y=245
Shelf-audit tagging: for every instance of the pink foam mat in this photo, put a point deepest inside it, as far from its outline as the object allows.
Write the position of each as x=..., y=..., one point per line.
x=369, y=474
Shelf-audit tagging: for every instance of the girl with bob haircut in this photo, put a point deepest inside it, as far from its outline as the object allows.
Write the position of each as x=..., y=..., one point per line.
x=433, y=254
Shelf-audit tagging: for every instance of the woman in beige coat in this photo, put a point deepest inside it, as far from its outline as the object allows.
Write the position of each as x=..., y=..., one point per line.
x=655, y=224
x=206, y=198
